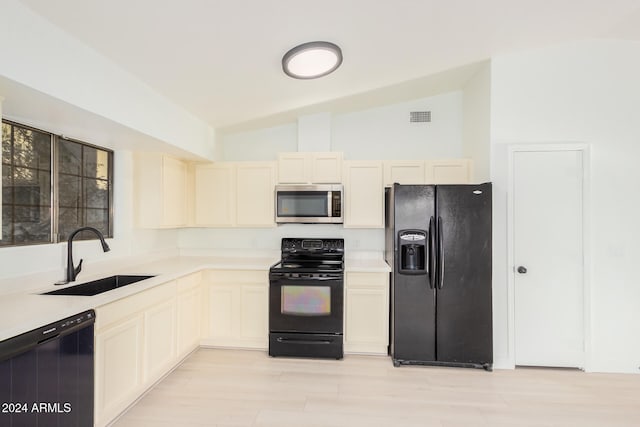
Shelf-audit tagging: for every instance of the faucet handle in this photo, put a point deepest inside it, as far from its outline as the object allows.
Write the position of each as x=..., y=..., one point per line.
x=79, y=267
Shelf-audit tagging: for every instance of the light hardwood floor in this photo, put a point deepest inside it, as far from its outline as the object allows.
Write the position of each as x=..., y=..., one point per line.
x=247, y=388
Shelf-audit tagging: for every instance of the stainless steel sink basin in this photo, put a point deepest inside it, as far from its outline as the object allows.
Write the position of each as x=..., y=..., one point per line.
x=99, y=286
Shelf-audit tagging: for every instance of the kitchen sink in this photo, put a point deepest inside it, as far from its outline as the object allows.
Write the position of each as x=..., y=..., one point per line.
x=99, y=286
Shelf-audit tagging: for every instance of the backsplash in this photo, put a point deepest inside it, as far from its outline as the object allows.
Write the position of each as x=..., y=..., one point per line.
x=269, y=238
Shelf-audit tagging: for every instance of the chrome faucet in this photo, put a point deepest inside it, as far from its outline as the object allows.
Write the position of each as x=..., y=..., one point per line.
x=72, y=271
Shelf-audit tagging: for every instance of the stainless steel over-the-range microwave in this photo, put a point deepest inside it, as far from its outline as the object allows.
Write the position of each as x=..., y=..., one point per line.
x=311, y=204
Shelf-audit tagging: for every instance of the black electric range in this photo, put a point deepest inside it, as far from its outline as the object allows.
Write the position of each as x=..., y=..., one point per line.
x=306, y=290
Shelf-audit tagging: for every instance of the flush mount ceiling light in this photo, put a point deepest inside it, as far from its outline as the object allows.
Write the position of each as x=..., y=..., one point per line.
x=312, y=60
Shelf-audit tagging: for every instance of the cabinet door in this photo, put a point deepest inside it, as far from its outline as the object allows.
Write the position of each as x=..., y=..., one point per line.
x=364, y=194
x=254, y=194
x=367, y=313
x=221, y=310
x=118, y=368
x=454, y=171
x=188, y=320
x=237, y=309
x=403, y=172
x=326, y=168
x=215, y=195
x=148, y=190
x=159, y=340
x=161, y=191
x=174, y=189
x=254, y=316
x=293, y=168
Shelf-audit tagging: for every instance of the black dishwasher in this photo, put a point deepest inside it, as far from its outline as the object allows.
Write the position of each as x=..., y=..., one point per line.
x=46, y=375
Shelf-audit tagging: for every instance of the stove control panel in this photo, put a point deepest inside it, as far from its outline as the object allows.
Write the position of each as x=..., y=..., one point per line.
x=292, y=245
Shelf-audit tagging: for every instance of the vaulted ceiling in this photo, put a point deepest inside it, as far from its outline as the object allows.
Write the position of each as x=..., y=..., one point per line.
x=220, y=59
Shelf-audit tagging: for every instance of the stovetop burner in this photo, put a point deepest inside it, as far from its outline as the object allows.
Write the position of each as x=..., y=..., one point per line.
x=311, y=256
x=308, y=266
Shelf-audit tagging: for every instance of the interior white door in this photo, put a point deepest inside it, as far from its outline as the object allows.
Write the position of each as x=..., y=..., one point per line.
x=548, y=255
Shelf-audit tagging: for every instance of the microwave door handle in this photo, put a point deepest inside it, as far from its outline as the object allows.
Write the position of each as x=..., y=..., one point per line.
x=329, y=201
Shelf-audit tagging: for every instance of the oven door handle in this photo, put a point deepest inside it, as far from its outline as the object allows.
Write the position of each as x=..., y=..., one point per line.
x=303, y=341
x=313, y=279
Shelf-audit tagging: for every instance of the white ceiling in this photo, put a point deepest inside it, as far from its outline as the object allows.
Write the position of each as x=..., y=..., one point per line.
x=220, y=59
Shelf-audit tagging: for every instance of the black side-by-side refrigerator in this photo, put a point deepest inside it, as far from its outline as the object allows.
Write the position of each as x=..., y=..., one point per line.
x=438, y=243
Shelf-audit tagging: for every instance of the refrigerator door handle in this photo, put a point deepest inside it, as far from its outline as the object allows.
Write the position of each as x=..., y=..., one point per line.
x=432, y=253
x=440, y=254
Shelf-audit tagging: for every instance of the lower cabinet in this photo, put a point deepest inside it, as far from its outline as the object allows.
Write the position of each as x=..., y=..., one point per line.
x=366, y=313
x=142, y=337
x=237, y=309
x=139, y=339
x=159, y=349
x=189, y=313
x=118, y=363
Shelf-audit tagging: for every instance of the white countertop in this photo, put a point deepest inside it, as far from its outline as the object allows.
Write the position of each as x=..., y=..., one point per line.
x=25, y=309
x=367, y=265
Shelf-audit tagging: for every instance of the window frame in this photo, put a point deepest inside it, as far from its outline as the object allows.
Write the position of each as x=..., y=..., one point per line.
x=55, y=141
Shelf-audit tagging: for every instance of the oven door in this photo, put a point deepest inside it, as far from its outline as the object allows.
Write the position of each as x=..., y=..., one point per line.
x=309, y=304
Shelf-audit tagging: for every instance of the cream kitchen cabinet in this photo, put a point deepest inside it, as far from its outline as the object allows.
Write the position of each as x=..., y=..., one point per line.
x=310, y=168
x=215, y=198
x=255, y=183
x=452, y=171
x=161, y=191
x=293, y=168
x=363, y=194
x=403, y=172
x=159, y=348
x=366, y=313
x=189, y=313
x=235, y=194
x=236, y=308
x=118, y=365
x=137, y=341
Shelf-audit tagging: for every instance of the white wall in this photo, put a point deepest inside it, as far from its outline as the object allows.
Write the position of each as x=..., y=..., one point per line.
x=585, y=92
x=262, y=144
x=385, y=132
x=39, y=55
x=127, y=241
x=372, y=134
x=476, y=113
x=268, y=239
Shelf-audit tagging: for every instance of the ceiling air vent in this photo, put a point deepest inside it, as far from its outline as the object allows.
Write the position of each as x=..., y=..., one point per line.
x=419, y=116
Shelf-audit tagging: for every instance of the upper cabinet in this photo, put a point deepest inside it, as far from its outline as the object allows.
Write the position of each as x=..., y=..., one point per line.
x=161, y=191
x=215, y=195
x=403, y=172
x=450, y=171
x=363, y=194
x=293, y=168
x=255, y=182
x=310, y=168
x=229, y=194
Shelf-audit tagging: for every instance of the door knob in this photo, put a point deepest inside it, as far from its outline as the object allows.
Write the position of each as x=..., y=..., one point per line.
x=521, y=270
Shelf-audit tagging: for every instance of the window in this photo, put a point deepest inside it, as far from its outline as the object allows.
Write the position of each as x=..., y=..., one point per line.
x=52, y=186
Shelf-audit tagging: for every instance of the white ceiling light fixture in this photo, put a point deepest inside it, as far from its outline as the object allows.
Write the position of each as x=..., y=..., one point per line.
x=312, y=60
